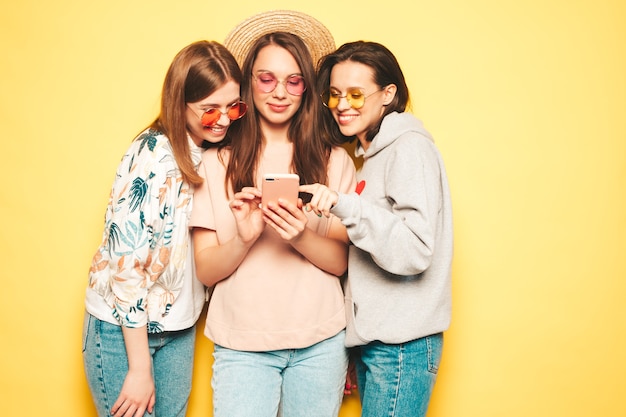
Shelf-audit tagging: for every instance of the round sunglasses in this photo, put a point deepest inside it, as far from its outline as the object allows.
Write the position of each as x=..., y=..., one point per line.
x=212, y=115
x=266, y=82
x=355, y=97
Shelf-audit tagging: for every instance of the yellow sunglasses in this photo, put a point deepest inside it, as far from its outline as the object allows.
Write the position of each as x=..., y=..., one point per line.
x=355, y=97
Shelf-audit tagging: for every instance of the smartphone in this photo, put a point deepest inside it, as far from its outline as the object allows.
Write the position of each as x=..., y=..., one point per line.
x=277, y=186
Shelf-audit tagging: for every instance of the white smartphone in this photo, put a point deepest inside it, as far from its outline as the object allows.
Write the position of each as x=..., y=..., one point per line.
x=277, y=186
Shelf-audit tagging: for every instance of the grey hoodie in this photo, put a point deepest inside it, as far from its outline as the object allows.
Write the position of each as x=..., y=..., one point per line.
x=399, y=271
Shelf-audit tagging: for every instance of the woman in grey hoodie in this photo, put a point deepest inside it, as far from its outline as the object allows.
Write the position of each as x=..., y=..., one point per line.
x=399, y=220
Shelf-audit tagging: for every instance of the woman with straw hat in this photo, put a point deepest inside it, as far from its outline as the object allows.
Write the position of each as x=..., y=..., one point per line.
x=276, y=315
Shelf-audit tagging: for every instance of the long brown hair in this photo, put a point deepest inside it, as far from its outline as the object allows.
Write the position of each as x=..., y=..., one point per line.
x=311, y=150
x=195, y=73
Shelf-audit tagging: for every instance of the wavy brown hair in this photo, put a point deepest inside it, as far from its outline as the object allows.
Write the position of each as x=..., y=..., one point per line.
x=311, y=148
x=195, y=73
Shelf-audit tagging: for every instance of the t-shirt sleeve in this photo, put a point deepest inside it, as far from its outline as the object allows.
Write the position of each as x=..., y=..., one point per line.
x=342, y=173
x=202, y=212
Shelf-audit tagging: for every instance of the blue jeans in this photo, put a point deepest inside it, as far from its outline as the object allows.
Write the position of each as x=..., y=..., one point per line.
x=397, y=380
x=106, y=365
x=304, y=382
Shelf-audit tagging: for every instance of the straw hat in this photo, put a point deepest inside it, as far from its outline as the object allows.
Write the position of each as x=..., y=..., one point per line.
x=314, y=34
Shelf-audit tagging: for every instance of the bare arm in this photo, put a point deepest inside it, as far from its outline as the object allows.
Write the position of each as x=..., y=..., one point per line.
x=138, y=392
x=329, y=253
x=215, y=261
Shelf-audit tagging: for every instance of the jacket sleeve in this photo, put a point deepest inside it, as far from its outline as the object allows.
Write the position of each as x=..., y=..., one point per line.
x=139, y=231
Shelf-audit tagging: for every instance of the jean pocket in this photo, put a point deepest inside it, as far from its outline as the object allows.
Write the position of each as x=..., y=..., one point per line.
x=434, y=344
x=352, y=333
x=86, y=324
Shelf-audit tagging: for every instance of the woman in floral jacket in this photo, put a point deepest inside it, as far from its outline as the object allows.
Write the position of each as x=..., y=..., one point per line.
x=143, y=299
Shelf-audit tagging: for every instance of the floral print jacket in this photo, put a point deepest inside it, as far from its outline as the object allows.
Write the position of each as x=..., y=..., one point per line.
x=139, y=267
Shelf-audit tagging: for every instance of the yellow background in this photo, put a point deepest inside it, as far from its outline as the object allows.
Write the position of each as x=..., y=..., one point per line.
x=527, y=103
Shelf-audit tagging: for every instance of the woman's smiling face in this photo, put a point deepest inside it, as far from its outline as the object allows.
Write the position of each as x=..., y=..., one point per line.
x=221, y=99
x=350, y=75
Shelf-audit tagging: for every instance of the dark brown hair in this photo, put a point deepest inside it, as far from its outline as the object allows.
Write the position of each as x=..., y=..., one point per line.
x=385, y=68
x=195, y=73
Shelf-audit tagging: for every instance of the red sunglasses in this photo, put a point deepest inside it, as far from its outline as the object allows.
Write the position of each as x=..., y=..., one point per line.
x=212, y=115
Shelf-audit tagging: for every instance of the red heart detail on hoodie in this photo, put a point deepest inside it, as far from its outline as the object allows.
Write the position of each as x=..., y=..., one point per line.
x=360, y=186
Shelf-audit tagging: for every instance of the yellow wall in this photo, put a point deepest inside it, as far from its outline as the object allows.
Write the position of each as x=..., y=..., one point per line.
x=526, y=100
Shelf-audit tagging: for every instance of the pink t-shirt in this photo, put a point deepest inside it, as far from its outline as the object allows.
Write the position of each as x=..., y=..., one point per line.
x=276, y=299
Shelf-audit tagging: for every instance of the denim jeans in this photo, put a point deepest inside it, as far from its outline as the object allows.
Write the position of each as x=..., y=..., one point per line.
x=304, y=382
x=397, y=380
x=106, y=365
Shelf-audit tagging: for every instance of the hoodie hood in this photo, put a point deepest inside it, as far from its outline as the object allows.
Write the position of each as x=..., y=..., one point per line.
x=393, y=126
